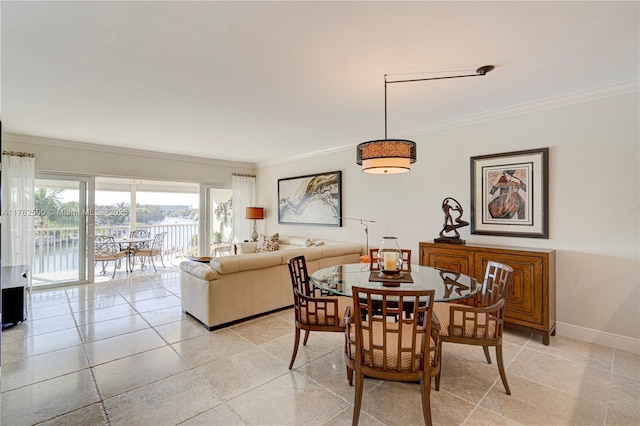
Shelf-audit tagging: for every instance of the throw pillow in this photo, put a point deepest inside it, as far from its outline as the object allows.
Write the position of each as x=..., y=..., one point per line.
x=308, y=243
x=268, y=243
x=318, y=243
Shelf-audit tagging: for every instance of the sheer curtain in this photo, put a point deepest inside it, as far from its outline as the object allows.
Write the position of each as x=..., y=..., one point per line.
x=244, y=195
x=18, y=208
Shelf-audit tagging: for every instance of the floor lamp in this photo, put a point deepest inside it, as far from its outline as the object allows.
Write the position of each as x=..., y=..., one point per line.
x=366, y=258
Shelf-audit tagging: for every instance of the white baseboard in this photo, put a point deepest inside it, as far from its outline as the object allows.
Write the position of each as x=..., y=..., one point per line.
x=603, y=338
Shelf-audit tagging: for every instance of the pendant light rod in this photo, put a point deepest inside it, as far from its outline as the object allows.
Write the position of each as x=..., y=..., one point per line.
x=483, y=70
x=390, y=156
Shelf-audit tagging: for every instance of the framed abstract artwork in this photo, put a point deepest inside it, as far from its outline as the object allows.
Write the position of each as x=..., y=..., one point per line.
x=311, y=200
x=510, y=194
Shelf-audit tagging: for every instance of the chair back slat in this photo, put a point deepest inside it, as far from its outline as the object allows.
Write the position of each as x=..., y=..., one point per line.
x=496, y=281
x=139, y=233
x=299, y=275
x=105, y=246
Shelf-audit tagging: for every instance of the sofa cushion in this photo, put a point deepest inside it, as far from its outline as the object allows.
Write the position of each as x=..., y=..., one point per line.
x=268, y=243
x=310, y=253
x=297, y=241
x=245, y=262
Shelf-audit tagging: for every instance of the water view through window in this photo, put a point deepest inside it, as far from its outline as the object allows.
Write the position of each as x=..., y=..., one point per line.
x=168, y=207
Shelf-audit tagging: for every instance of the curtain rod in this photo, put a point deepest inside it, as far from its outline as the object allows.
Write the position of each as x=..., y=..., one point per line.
x=18, y=154
x=243, y=175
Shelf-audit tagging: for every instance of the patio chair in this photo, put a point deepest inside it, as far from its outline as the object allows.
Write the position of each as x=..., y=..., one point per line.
x=226, y=249
x=150, y=252
x=106, y=250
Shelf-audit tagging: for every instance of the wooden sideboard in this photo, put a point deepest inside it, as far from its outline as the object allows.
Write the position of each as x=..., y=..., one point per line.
x=531, y=300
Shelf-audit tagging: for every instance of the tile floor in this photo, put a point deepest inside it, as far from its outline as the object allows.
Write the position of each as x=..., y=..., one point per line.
x=121, y=352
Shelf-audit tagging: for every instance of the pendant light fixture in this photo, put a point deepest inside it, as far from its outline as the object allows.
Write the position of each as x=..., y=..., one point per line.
x=388, y=156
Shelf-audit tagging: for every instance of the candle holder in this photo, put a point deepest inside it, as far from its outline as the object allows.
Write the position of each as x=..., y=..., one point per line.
x=389, y=258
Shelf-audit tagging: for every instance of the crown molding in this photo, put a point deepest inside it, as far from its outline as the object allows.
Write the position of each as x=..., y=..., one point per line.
x=617, y=89
x=307, y=155
x=37, y=140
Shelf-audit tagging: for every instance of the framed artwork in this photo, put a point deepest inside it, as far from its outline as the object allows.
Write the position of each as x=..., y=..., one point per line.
x=311, y=200
x=510, y=194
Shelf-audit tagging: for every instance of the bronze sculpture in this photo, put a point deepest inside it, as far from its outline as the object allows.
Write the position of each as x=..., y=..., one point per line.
x=451, y=224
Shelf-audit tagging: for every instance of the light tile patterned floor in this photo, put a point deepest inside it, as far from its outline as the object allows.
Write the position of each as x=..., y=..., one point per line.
x=121, y=352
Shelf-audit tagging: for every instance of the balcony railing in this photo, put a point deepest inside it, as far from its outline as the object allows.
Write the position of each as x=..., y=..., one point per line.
x=57, y=248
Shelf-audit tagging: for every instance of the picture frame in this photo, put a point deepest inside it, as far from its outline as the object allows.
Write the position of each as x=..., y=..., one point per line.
x=510, y=194
x=311, y=200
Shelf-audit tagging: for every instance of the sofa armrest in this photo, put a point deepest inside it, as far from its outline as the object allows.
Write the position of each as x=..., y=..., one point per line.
x=247, y=247
x=198, y=270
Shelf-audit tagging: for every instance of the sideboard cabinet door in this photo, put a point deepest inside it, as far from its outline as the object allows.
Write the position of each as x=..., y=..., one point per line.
x=531, y=300
x=525, y=298
x=453, y=260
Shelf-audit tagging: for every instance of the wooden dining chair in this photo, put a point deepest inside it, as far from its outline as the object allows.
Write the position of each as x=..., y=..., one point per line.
x=313, y=312
x=149, y=252
x=482, y=323
x=406, y=260
x=106, y=250
x=397, y=343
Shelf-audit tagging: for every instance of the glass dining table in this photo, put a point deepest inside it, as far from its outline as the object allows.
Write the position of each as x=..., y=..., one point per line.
x=448, y=285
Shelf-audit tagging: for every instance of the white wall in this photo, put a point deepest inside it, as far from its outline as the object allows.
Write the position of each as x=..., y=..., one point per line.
x=593, y=198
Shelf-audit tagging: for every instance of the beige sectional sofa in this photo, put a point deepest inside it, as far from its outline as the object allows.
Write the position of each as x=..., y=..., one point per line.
x=232, y=288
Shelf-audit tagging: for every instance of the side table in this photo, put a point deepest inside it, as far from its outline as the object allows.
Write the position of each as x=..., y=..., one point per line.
x=14, y=280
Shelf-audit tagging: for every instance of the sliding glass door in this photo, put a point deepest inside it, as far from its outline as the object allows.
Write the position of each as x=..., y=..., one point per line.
x=62, y=219
x=218, y=225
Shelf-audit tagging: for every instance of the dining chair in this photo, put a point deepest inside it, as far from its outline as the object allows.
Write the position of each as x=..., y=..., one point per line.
x=313, y=312
x=155, y=249
x=405, y=348
x=106, y=250
x=373, y=262
x=482, y=323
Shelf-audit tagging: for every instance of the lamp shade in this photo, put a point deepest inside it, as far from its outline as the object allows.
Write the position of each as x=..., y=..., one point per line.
x=254, y=213
x=386, y=156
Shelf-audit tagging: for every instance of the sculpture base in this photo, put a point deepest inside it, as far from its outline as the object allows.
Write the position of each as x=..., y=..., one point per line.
x=449, y=240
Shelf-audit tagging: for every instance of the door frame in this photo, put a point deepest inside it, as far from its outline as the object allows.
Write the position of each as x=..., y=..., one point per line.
x=86, y=205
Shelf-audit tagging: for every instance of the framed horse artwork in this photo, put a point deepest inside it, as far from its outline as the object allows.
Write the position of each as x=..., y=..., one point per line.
x=510, y=194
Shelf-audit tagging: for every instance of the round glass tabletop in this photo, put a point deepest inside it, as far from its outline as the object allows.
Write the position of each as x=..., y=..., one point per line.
x=448, y=285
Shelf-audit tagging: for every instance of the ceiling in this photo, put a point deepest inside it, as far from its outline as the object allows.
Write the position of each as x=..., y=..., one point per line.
x=258, y=81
